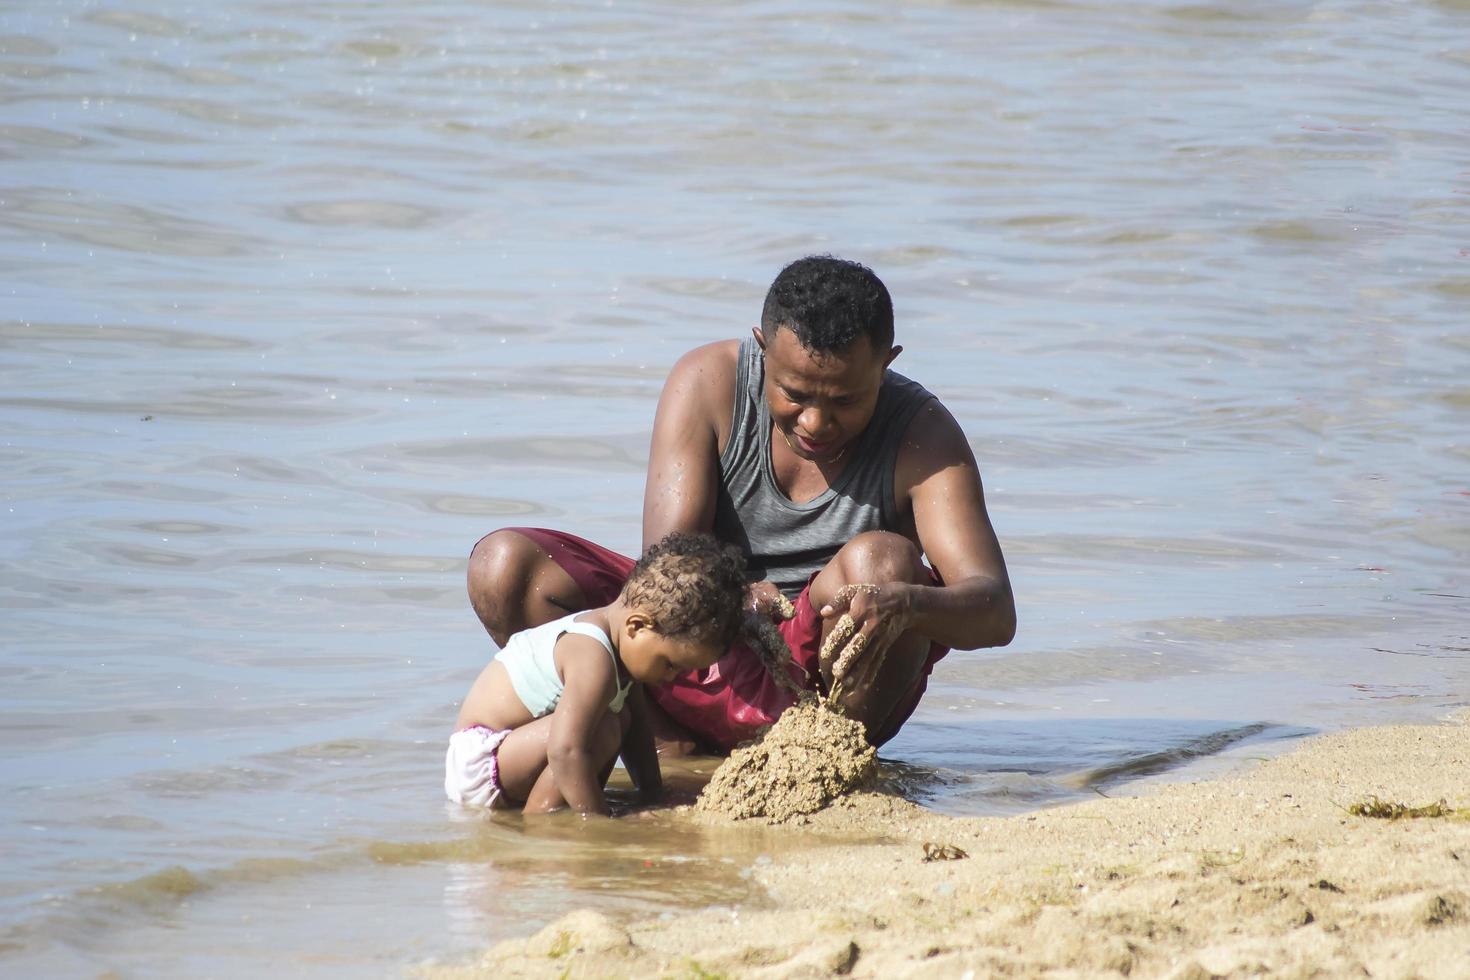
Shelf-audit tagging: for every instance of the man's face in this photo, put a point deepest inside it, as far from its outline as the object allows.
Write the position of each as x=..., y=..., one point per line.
x=820, y=403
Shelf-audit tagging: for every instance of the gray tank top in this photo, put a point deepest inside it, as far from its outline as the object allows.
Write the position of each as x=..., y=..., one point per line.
x=784, y=541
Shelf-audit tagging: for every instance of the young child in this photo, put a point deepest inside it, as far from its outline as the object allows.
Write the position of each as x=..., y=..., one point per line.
x=544, y=722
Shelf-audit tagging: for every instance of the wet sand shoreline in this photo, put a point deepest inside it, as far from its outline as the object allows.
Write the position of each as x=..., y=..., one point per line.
x=1262, y=871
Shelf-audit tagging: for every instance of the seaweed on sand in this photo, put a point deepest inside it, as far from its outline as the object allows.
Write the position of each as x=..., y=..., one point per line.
x=1380, y=809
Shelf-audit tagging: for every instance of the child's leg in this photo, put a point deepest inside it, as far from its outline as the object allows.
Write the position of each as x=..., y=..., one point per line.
x=544, y=796
x=541, y=795
x=521, y=759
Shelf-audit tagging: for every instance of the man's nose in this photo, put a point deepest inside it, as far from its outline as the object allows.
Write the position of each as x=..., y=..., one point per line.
x=814, y=421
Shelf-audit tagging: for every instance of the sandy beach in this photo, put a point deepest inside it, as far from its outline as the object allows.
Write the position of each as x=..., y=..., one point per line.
x=1261, y=872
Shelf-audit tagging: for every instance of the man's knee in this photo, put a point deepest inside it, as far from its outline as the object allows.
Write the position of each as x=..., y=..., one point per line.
x=500, y=570
x=881, y=556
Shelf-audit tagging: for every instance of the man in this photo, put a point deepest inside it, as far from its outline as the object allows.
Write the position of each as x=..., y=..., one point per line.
x=836, y=476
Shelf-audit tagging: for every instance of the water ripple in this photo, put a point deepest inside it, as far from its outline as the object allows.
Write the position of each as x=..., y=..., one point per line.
x=62, y=214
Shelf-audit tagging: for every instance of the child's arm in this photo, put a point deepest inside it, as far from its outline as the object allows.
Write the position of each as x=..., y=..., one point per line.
x=584, y=734
x=639, y=756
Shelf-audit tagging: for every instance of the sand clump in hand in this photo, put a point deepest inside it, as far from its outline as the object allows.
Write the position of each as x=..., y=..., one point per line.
x=808, y=758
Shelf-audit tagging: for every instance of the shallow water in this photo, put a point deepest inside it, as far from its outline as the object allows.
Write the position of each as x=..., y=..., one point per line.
x=299, y=300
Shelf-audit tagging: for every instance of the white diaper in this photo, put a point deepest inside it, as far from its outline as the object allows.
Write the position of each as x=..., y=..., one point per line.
x=471, y=771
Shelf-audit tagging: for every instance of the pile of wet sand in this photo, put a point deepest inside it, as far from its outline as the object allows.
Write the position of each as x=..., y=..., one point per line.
x=808, y=758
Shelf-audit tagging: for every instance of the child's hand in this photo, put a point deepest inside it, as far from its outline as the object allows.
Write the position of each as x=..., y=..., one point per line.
x=764, y=599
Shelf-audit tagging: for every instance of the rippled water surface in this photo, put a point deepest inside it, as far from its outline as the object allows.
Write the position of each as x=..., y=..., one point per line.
x=300, y=299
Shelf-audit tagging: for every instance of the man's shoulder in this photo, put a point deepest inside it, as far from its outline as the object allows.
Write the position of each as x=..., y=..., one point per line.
x=699, y=392
x=906, y=387
x=933, y=440
x=925, y=413
x=722, y=356
x=706, y=375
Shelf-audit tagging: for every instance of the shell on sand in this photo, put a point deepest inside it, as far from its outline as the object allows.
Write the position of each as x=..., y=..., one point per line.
x=808, y=758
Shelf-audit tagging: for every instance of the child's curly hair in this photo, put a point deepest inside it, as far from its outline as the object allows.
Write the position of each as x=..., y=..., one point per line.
x=691, y=586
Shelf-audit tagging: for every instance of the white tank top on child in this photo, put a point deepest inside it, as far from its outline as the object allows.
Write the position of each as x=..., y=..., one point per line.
x=530, y=660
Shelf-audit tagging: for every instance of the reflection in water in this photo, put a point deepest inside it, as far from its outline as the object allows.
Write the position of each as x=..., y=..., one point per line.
x=382, y=214
x=1008, y=767
x=1154, y=763
x=531, y=870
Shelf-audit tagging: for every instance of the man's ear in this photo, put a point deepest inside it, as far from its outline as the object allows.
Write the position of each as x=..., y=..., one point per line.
x=759, y=335
x=893, y=353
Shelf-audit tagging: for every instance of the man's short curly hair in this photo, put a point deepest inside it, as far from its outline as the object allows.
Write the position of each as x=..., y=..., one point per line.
x=829, y=303
x=691, y=586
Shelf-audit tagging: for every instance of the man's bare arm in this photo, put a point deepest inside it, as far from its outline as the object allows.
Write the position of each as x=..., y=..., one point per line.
x=684, y=458
x=974, y=608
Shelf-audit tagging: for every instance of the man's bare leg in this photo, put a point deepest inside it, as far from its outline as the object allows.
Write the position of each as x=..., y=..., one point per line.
x=878, y=557
x=514, y=584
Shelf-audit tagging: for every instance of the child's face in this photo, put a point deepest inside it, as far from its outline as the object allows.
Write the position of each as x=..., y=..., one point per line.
x=653, y=658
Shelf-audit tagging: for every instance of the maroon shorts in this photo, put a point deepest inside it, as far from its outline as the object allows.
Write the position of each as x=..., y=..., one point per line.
x=731, y=701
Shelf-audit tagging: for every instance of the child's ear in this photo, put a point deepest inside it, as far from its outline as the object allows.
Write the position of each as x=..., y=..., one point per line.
x=637, y=622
